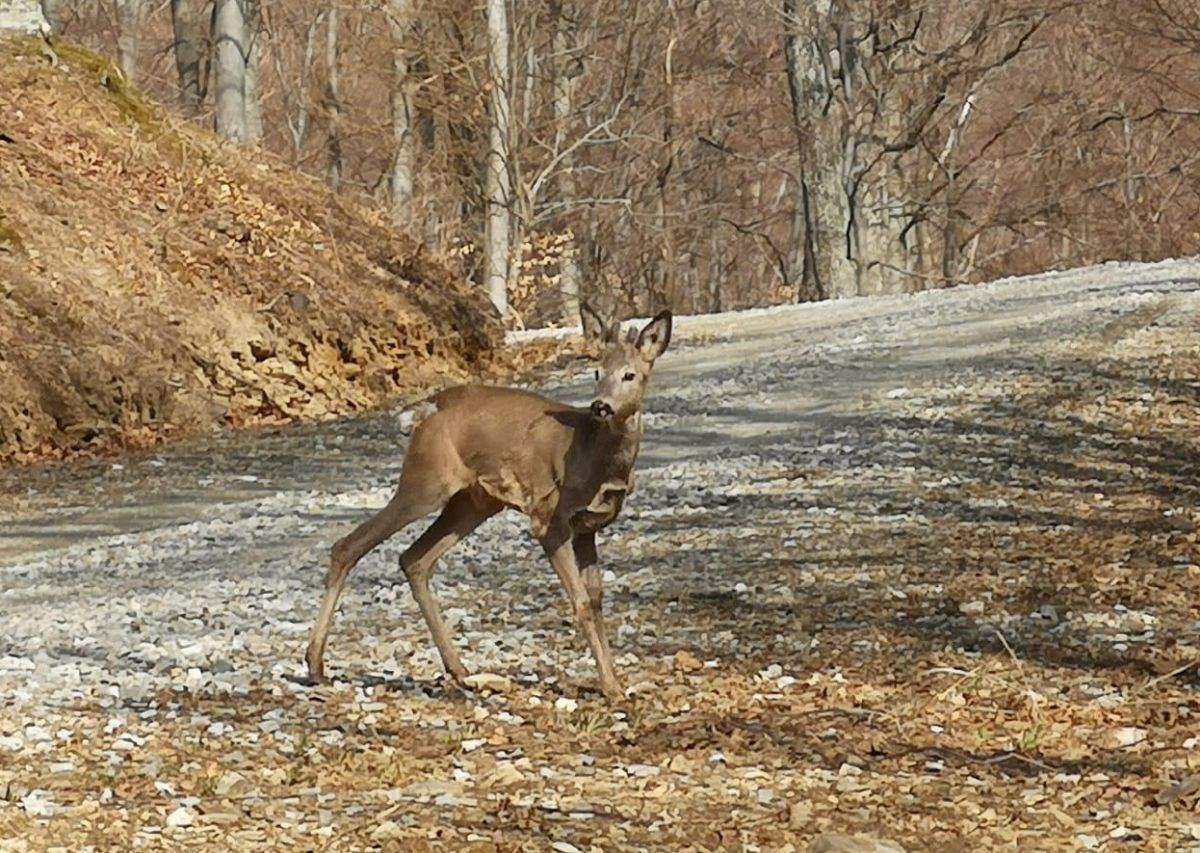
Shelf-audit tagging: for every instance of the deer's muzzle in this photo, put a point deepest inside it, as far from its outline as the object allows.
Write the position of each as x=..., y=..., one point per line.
x=602, y=409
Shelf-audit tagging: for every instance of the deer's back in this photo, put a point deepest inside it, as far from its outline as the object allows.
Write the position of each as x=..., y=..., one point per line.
x=507, y=431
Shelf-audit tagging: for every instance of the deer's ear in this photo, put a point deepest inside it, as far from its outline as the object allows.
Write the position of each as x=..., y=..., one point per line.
x=595, y=328
x=653, y=340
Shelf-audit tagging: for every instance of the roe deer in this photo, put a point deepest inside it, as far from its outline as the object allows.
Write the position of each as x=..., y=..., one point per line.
x=481, y=449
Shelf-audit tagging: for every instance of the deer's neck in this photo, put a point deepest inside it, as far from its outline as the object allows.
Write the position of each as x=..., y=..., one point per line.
x=621, y=440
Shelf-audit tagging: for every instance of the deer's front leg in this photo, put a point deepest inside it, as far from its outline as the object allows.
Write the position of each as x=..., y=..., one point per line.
x=560, y=547
x=588, y=560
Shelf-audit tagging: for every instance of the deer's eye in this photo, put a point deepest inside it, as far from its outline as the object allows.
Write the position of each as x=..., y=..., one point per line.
x=630, y=376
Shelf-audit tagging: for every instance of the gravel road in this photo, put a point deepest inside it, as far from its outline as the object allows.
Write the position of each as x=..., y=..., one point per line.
x=204, y=561
x=925, y=563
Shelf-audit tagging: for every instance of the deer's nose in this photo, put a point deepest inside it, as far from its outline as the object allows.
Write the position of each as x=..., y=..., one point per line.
x=601, y=409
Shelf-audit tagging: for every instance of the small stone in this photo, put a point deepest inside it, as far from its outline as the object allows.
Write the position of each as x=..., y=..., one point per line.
x=505, y=775
x=389, y=830
x=566, y=705
x=232, y=784
x=472, y=744
x=642, y=770
x=488, y=682
x=221, y=813
x=1129, y=736
x=37, y=803
x=180, y=818
x=685, y=661
x=971, y=608
x=564, y=847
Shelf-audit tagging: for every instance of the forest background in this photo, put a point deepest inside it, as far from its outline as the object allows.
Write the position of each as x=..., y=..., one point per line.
x=701, y=155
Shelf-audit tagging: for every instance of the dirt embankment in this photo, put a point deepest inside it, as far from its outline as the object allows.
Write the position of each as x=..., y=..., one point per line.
x=156, y=281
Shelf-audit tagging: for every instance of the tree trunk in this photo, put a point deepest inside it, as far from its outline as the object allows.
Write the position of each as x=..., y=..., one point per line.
x=254, y=55
x=565, y=74
x=498, y=183
x=333, y=101
x=826, y=156
x=229, y=37
x=188, y=62
x=129, y=21
x=403, y=135
x=667, y=278
x=57, y=13
x=800, y=58
x=296, y=100
x=21, y=16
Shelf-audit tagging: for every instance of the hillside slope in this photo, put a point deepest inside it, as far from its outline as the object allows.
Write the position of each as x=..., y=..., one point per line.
x=155, y=281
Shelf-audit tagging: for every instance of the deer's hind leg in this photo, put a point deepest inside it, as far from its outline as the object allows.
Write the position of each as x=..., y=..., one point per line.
x=466, y=510
x=423, y=489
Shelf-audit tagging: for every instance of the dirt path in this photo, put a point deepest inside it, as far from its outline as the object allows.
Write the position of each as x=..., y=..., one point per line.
x=924, y=566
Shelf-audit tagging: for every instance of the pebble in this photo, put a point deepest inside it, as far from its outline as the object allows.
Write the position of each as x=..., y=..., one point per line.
x=180, y=818
x=39, y=803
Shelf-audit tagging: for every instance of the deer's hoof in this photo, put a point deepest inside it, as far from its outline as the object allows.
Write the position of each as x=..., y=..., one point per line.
x=613, y=693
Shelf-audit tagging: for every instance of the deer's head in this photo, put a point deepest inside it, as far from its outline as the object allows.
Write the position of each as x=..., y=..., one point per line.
x=625, y=362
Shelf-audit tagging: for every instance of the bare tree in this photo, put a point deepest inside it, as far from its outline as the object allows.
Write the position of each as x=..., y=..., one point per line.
x=567, y=69
x=190, y=62
x=300, y=29
x=129, y=23
x=497, y=184
x=254, y=58
x=867, y=90
x=21, y=16
x=230, y=43
x=58, y=13
x=400, y=14
x=336, y=167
